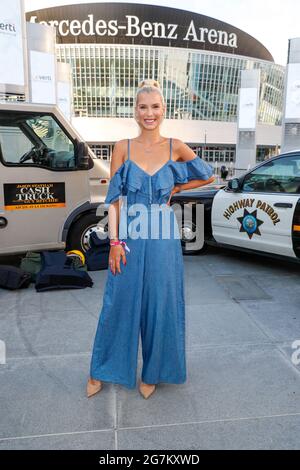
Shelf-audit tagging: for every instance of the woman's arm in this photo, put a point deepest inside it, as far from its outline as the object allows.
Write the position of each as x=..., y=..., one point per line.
x=194, y=184
x=184, y=153
x=117, y=160
x=117, y=252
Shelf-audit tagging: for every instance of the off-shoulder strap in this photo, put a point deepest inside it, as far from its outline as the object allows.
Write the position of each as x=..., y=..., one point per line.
x=170, y=148
x=128, y=149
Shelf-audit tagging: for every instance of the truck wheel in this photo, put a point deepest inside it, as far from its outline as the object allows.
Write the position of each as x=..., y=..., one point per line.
x=79, y=235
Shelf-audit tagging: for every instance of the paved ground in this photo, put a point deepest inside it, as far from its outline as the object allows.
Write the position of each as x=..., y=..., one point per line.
x=243, y=390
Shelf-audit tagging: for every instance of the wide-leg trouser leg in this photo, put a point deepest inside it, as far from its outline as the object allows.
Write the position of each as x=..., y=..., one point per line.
x=115, y=351
x=163, y=313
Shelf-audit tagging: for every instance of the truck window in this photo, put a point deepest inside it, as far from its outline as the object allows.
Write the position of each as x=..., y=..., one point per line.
x=13, y=143
x=28, y=139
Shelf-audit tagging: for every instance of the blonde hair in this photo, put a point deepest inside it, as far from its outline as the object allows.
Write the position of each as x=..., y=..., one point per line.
x=149, y=86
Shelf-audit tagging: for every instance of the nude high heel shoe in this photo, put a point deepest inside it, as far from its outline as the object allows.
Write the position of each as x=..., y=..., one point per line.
x=146, y=390
x=93, y=387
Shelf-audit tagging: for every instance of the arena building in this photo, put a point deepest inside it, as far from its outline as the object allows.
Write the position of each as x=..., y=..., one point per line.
x=197, y=60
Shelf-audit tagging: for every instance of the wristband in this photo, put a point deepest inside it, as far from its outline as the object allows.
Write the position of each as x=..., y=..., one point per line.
x=119, y=243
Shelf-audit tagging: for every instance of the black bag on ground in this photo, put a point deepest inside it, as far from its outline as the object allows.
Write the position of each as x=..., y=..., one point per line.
x=96, y=257
x=12, y=277
x=58, y=272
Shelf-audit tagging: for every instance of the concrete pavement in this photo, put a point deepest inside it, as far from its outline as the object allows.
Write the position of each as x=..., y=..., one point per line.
x=242, y=392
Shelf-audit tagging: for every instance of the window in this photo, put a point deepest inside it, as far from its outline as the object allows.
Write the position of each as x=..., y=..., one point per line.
x=282, y=175
x=13, y=143
x=28, y=139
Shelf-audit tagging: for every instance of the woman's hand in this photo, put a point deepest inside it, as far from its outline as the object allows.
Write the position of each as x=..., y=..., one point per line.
x=115, y=254
x=175, y=190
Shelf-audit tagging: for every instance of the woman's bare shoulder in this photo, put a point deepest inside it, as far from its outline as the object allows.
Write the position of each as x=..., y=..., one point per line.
x=176, y=143
x=121, y=145
x=119, y=153
x=181, y=151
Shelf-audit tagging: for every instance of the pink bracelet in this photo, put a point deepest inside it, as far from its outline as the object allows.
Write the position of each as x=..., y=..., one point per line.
x=119, y=242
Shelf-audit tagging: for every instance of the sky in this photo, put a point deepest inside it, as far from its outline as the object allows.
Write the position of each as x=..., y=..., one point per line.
x=272, y=22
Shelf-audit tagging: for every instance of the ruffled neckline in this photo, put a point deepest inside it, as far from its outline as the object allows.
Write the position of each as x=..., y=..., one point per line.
x=145, y=172
x=168, y=162
x=161, y=182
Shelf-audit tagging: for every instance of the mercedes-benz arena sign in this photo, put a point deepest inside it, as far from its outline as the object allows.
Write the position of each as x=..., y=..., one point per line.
x=121, y=23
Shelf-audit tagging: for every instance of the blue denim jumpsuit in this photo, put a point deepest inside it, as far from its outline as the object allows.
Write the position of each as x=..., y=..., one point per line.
x=148, y=297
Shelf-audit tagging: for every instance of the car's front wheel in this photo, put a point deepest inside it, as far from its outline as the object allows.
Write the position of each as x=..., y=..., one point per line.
x=191, y=244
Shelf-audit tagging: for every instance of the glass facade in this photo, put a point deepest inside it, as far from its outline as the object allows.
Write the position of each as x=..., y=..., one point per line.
x=197, y=85
x=7, y=97
x=216, y=155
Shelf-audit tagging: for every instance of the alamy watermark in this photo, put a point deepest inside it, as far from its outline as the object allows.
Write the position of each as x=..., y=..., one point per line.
x=2, y=353
x=296, y=354
x=158, y=221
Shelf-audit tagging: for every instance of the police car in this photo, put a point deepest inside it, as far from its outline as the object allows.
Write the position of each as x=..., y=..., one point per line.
x=257, y=212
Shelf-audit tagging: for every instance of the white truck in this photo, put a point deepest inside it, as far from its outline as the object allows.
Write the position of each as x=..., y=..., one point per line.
x=50, y=181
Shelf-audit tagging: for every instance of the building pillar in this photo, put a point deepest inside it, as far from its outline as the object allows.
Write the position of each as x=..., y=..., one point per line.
x=64, y=89
x=291, y=108
x=13, y=70
x=247, y=121
x=41, y=40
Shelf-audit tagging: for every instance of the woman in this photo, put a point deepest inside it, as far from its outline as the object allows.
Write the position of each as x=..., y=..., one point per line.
x=147, y=295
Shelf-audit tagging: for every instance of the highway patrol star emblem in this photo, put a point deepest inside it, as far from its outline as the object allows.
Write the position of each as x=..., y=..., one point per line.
x=250, y=223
